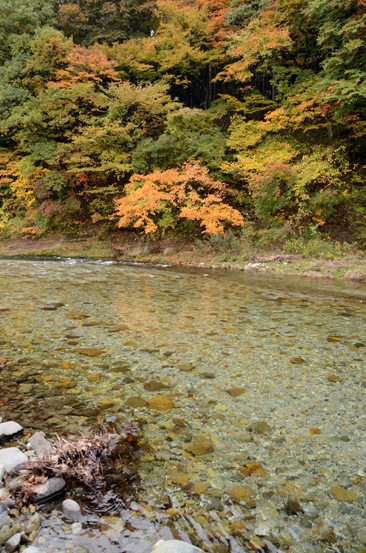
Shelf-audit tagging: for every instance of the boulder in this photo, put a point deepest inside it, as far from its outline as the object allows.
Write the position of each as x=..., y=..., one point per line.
x=9, y=428
x=175, y=546
x=12, y=459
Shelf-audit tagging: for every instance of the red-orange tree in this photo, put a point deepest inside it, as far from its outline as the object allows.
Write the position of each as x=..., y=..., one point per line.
x=156, y=202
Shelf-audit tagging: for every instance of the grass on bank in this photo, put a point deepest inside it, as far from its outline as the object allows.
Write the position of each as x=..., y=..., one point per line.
x=251, y=241
x=310, y=254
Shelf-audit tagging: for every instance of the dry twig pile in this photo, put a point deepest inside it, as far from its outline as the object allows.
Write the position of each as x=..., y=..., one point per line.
x=86, y=460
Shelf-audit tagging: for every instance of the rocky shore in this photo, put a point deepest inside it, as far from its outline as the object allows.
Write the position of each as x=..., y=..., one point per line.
x=20, y=521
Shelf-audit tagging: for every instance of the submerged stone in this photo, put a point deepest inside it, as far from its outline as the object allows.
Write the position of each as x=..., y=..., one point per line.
x=161, y=403
x=155, y=386
x=105, y=403
x=136, y=402
x=68, y=365
x=243, y=494
x=236, y=392
x=257, y=544
x=313, y=431
x=200, y=446
x=118, y=328
x=293, y=507
x=89, y=352
x=259, y=426
x=185, y=367
x=342, y=494
x=334, y=378
x=328, y=536
x=208, y=375
x=94, y=377
x=244, y=437
x=200, y=487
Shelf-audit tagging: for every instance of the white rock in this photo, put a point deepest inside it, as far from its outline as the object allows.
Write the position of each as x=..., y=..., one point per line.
x=175, y=546
x=71, y=509
x=12, y=459
x=2, y=471
x=39, y=444
x=9, y=429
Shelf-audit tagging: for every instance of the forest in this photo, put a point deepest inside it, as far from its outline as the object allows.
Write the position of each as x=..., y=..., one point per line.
x=183, y=116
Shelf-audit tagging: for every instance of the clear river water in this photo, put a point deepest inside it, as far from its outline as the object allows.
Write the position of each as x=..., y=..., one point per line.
x=249, y=389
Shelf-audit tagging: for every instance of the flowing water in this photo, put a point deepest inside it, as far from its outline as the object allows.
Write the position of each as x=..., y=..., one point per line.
x=250, y=392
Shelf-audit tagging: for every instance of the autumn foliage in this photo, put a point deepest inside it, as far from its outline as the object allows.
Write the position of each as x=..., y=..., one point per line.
x=155, y=104
x=156, y=201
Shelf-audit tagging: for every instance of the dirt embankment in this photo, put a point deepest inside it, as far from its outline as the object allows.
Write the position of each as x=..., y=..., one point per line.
x=347, y=267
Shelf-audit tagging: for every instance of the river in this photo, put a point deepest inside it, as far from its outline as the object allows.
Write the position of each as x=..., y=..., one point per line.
x=250, y=391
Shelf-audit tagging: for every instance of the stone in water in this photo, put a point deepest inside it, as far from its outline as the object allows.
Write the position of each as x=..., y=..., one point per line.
x=71, y=509
x=342, y=495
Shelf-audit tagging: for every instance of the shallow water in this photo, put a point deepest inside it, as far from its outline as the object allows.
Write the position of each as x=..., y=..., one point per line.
x=291, y=352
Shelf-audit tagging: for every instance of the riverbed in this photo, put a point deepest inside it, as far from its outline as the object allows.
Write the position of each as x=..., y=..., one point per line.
x=249, y=390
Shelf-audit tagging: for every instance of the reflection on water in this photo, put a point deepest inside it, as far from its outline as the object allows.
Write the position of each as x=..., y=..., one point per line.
x=251, y=392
